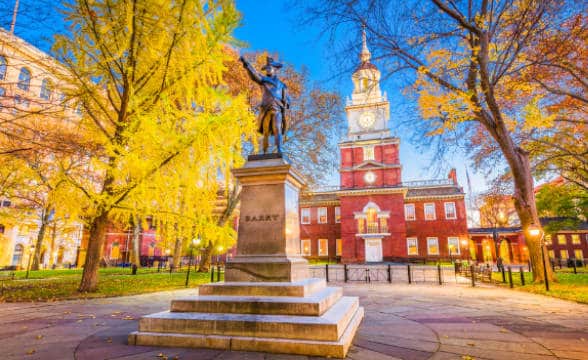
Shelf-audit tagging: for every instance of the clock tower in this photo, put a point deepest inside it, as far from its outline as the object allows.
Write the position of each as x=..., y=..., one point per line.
x=369, y=154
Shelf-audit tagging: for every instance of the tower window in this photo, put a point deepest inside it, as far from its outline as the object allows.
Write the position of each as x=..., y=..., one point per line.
x=368, y=153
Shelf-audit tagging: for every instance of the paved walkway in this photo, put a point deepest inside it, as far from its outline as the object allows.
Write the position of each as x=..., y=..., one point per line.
x=402, y=322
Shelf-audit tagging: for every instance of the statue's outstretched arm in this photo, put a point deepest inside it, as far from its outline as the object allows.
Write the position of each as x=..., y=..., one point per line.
x=253, y=74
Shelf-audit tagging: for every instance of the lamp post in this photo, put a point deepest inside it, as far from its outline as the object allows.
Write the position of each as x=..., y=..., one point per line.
x=193, y=243
x=536, y=233
x=167, y=252
x=220, y=249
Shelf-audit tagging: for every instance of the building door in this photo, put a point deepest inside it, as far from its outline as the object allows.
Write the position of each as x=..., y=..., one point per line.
x=373, y=250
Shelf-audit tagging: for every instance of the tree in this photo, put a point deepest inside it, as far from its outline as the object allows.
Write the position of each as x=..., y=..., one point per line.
x=565, y=202
x=461, y=57
x=146, y=79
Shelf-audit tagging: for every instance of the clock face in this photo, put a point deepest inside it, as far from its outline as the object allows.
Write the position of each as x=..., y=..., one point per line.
x=369, y=177
x=367, y=120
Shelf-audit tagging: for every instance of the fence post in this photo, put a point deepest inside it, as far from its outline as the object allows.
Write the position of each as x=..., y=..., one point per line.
x=574, y=261
x=389, y=274
x=218, y=270
x=211, y=273
x=327, y=272
x=522, y=276
x=345, y=272
x=439, y=274
x=409, y=275
x=367, y=275
x=503, y=274
x=510, y=277
x=473, y=275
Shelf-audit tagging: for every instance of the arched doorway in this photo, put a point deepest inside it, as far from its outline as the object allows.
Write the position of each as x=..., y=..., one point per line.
x=17, y=255
x=487, y=246
x=473, y=254
x=504, y=252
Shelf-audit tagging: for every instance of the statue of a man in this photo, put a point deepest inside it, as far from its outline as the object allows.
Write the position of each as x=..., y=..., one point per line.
x=272, y=114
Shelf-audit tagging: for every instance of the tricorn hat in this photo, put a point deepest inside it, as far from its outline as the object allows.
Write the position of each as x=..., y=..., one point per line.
x=271, y=63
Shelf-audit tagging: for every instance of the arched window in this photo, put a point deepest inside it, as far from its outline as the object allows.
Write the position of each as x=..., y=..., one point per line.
x=2, y=67
x=372, y=220
x=46, y=89
x=24, y=79
x=17, y=256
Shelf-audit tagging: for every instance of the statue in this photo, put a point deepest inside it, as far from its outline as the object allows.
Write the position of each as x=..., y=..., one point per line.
x=272, y=114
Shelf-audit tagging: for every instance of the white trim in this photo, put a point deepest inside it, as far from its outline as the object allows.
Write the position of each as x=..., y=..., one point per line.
x=326, y=241
x=434, y=211
x=318, y=215
x=302, y=215
x=456, y=238
x=429, y=246
x=412, y=205
x=454, y=210
x=416, y=242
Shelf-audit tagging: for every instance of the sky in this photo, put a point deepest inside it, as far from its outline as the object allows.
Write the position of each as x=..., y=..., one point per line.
x=275, y=26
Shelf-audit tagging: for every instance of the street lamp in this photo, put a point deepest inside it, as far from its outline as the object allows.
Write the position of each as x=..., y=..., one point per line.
x=537, y=234
x=193, y=243
x=220, y=249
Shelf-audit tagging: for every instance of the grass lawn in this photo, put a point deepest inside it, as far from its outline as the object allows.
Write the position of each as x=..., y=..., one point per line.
x=569, y=286
x=52, y=285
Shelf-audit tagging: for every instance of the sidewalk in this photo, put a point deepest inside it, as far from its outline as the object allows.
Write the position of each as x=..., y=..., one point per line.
x=402, y=322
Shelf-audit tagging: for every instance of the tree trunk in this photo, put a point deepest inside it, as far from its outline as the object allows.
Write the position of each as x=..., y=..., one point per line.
x=177, y=253
x=136, y=241
x=205, y=259
x=40, y=237
x=89, y=281
x=53, y=259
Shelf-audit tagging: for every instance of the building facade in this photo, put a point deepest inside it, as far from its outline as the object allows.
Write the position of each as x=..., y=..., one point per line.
x=374, y=216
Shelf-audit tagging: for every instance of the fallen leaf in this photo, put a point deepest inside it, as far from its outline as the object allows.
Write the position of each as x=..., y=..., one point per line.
x=128, y=318
x=467, y=357
x=39, y=337
x=109, y=340
x=503, y=330
x=31, y=352
x=471, y=344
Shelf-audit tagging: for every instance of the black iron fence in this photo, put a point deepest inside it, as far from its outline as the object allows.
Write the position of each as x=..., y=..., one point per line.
x=390, y=273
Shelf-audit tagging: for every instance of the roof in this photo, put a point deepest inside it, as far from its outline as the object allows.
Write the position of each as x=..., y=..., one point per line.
x=566, y=223
x=489, y=230
x=434, y=191
x=318, y=198
x=581, y=225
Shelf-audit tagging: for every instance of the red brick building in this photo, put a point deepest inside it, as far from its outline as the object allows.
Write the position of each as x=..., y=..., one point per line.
x=374, y=216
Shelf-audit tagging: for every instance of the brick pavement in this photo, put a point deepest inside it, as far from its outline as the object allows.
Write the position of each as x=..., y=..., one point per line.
x=402, y=322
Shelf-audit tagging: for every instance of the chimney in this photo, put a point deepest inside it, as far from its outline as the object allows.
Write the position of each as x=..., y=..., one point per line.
x=453, y=175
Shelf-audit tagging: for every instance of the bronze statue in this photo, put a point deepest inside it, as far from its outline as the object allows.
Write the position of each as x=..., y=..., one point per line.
x=272, y=114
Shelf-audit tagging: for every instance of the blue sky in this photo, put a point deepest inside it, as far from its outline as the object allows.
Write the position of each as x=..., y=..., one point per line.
x=275, y=26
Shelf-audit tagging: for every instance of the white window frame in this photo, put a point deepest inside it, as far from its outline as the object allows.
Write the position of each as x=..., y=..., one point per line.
x=406, y=213
x=326, y=248
x=425, y=205
x=577, y=238
x=456, y=240
x=305, y=213
x=302, y=242
x=429, y=240
x=452, y=203
x=318, y=215
x=338, y=249
x=416, y=243
x=337, y=214
x=369, y=153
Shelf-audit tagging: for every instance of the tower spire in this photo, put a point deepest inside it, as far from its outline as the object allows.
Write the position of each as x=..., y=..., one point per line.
x=365, y=54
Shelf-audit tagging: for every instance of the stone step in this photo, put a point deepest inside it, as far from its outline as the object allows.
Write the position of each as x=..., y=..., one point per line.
x=300, y=288
x=337, y=348
x=313, y=305
x=328, y=327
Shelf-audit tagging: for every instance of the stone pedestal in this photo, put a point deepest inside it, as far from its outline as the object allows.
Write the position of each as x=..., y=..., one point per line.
x=267, y=302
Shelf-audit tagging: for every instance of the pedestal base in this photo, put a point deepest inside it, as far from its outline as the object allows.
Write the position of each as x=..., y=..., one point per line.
x=266, y=268
x=304, y=317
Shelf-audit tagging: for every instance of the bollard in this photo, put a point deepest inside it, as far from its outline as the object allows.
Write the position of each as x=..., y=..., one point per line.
x=522, y=276
x=367, y=275
x=389, y=274
x=327, y=272
x=345, y=272
x=439, y=274
x=409, y=275
x=473, y=274
x=211, y=273
x=218, y=271
x=510, y=277
x=503, y=274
